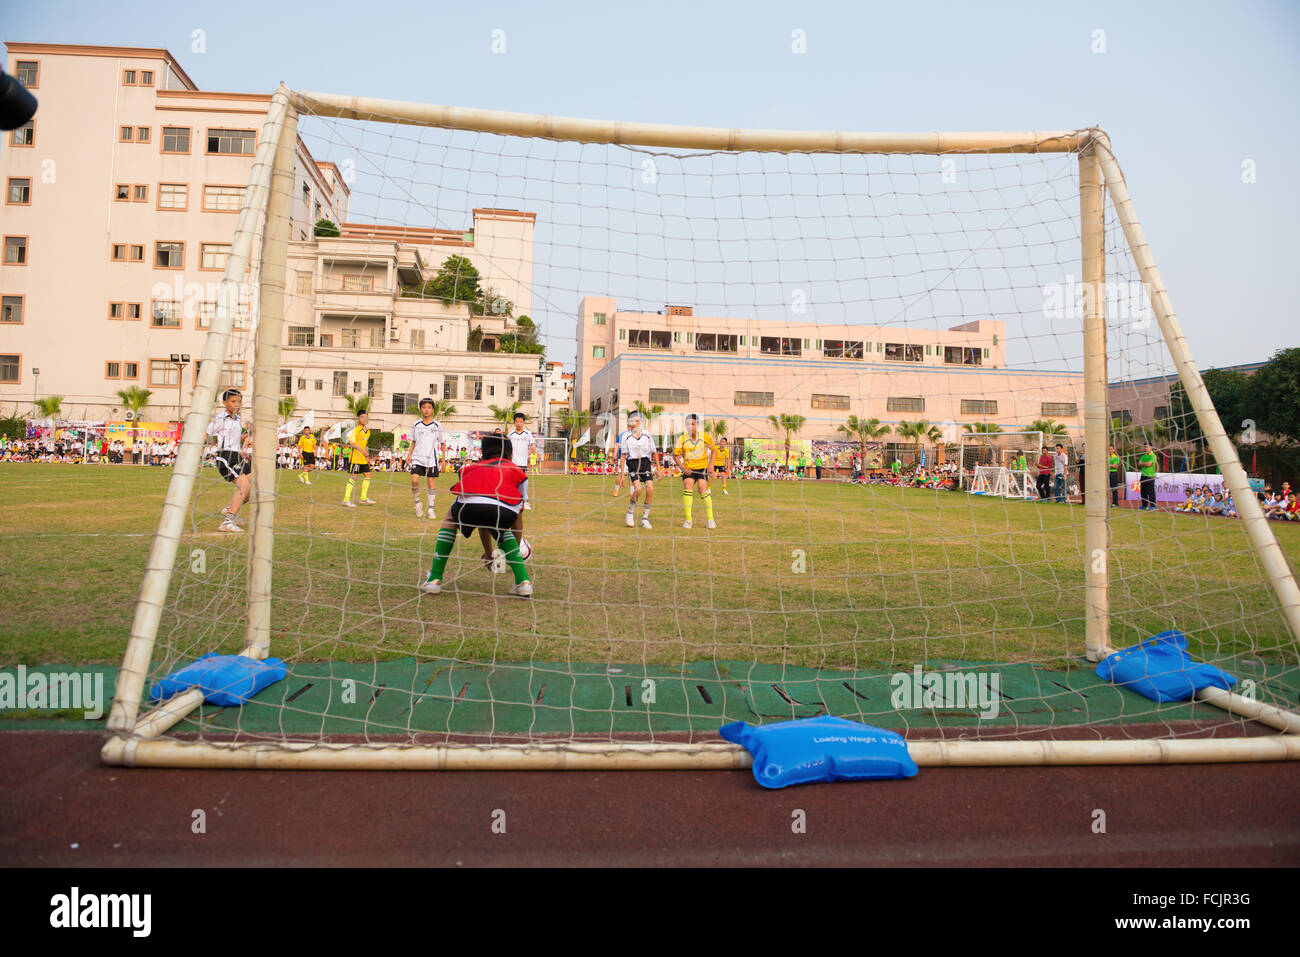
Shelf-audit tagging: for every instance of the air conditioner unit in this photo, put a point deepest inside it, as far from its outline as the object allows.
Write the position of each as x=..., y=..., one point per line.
x=130, y=416
x=394, y=333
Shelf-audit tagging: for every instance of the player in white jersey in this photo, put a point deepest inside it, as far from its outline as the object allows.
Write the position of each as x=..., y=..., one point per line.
x=620, y=455
x=522, y=443
x=233, y=448
x=423, y=456
x=639, y=450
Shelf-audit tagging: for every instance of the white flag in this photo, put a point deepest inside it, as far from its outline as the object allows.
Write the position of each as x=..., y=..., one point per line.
x=586, y=437
x=295, y=426
x=334, y=433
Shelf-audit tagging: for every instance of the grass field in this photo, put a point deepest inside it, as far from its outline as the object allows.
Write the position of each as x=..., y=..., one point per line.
x=821, y=575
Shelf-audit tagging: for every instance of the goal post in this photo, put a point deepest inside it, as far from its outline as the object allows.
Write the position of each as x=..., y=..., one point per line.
x=553, y=703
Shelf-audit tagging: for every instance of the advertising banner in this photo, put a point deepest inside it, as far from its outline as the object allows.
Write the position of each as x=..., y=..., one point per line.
x=1172, y=486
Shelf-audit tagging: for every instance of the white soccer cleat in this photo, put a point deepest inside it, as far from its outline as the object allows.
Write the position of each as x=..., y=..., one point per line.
x=347, y=504
x=686, y=524
x=523, y=590
x=725, y=492
x=419, y=510
x=432, y=587
x=302, y=478
x=229, y=526
x=528, y=506
x=645, y=523
x=712, y=524
x=368, y=501
x=631, y=522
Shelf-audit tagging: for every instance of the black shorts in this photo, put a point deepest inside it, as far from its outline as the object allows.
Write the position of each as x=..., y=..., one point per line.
x=359, y=468
x=471, y=516
x=309, y=458
x=640, y=470
x=695, y=474
x=231, y=465
x=719, y=469
x=431, y=470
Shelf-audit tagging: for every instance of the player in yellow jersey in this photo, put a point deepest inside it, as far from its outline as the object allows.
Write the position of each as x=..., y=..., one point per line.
x=358, y=462
x=695, y=451
x=307, y=446
x=720, y=465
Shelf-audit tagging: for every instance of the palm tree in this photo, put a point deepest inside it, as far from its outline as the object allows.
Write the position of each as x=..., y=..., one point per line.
x=918, y=431
x=134, y=399
x=443, y=408
x=357, y=404
x=647, y=412
x=790, y=425
x=985, y=428
x=505, y=414
x=50, y=407
x=1047, y=427
x=864, y=430
x=287, y=405
x=574, y=421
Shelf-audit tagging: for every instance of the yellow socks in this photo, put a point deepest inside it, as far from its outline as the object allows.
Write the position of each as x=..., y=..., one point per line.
x=707, y=495
x=347, y=492
x=686, y=503
x=365, y=489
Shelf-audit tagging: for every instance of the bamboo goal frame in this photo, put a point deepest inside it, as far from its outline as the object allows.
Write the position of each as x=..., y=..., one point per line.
x=133, y=739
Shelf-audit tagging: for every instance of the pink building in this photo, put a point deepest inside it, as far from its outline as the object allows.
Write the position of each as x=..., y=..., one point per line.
x=743, y=370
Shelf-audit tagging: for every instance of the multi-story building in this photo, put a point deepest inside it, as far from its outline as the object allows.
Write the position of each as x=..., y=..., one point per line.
x=120, y=206
x=743, y=370
x=1141, y=402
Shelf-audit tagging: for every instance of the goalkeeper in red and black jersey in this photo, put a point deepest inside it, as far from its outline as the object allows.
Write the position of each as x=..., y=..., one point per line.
x=488, y=498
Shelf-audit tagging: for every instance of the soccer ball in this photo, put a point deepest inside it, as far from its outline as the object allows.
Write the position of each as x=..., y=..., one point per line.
x=525, y=550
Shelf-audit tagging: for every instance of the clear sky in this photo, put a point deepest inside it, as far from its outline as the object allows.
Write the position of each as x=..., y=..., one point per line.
x=1188, y=91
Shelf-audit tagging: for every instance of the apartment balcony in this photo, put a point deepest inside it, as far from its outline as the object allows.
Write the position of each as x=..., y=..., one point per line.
x=377, y=303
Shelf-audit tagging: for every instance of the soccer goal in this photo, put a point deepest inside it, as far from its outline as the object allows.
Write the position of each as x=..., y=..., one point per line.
x=1015, y=450
x=1001, y=482
x=794, y=286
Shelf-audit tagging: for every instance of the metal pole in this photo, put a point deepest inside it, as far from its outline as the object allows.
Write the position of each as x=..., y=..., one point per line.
x=1096, y=509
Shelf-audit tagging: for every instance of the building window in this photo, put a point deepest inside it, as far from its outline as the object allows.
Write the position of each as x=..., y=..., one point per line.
x=302, y=336
x=327, y=340
x=986, y=353
x=25, y=135
x=979, y=407
x=128, y=78
x=677, y=337
x=139, y=194
x=340, y=386
x=762, y=399
x=112, y=370
x=116, y=310
x=222, y=199
x=598, y=318
x=669, y=396
x=417, y=340
x=146, y=77
x=9, y=366
x=213, y=255
x=11, y=310
x=1162, y=413
x=303, y=287
x=124, y=134
x=286, y=382
x=320, y=384
x=175, y=139
x=19, y=192
x=164, y=372
x=622, y=335
x=448, y=387
x=122, y=193
x=231, y=142
x=648, y=339
x=363, y=338
x=28, y=72
x=404, y=403
x=173, y=196
x=374, y=384
x=133, y=310
x=169, y=255
x=166, y=314
x=830, y=401
x=15, y=251
x=961, y=355
x=474, y=387
x=779, y=346
x=904, y=352
x=137, y=253
x=905, y=404
x=130, y=370
x=119, y=252
x=1123, y=416
x=525, y=388
x=843, y=349
x=716, y=342
x=359, y=283
x=142, y=134
x=1062, y=409
x=316, y=211
x=598, y=352
x=121, y=370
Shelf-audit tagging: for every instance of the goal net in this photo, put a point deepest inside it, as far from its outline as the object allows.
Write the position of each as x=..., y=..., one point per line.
x=1003, y=482
x=805, y=300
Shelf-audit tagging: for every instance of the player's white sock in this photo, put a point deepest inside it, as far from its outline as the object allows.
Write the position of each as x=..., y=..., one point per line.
x=431, y=496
